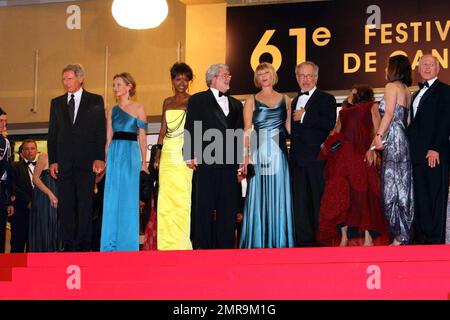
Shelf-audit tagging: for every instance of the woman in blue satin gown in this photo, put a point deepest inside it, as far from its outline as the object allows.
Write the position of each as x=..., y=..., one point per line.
x=268, y=215
x=396, y=169
x=126, y=149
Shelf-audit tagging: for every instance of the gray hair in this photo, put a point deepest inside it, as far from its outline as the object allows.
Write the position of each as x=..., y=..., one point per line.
x=76, y=68
x=213, y=71
x=308, y=63
x=436, y=61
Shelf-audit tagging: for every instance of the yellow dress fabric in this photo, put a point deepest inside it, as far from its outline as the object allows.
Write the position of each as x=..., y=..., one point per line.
x=175, y=184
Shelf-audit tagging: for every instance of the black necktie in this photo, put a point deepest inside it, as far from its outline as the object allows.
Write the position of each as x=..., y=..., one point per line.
x=303, y=93
x=30, y=162
x=222, y=94
x=71, y=106
x=424, y=84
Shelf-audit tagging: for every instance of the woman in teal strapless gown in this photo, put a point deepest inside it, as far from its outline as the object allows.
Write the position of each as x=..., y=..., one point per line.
x=126, y=157
x=268, y=217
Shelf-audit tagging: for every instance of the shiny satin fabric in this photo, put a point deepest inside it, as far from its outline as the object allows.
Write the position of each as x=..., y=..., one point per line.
x=120, y=225
x=175, y=183
x=396, y=178
x=268, y=213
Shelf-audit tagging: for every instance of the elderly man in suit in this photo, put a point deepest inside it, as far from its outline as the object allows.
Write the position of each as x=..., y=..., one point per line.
x=215, y=181
x=314, y=116
x=76, y=151
x=428, y=134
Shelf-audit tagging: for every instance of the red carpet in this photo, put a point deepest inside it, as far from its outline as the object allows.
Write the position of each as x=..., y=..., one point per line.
x=408, y=272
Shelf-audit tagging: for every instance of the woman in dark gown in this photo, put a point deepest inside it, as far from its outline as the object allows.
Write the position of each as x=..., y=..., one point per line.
x=43, y=232
x=351, y=203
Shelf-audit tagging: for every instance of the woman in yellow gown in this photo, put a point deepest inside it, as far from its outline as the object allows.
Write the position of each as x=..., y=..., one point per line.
x=175, y=178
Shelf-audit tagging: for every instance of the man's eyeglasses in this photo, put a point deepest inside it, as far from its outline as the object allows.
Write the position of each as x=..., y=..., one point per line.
x=306, y=76
x=224, y=76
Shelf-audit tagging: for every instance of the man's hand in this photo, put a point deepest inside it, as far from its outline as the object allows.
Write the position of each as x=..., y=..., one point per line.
x=433, y=158
x=54, y=170
x=98, y=166
x=192, y=164
x=298, y=114
x=10, y=210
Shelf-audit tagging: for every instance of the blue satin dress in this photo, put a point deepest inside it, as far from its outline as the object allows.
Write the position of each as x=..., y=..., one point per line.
x=120, y=225
x=268, y=213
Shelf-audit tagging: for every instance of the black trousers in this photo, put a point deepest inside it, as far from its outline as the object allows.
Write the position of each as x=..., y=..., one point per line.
x=308, y=186
x=430, y=199
x=216, y=189
x=75, y=194
x=20, y=223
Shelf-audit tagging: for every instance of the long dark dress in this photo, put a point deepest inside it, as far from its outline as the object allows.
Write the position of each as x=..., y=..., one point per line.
x=352, y=188
x=396, y=178
x=268, y=218
x=43, y=232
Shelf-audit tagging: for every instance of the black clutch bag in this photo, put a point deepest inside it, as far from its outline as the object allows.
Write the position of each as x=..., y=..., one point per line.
x=145, y=186
x=336, y=146
x=250, y=171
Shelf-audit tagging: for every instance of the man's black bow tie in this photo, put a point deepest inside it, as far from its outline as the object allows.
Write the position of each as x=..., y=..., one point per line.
x=30, y=162
x=424, y=84
x=303, y=93
x=222, y=94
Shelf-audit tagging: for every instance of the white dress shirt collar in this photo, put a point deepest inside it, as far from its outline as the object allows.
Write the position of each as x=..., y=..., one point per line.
x=311, y=91
x=431, y=81
x=216, y=93
x=77, y=95
x=222, y=101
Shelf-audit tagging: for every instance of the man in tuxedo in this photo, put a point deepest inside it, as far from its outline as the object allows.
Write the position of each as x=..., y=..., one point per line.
x=6, y=209
x=215, y=186
x=428, y=134
x=76, y=152
x=22, y=194
x=314, y=116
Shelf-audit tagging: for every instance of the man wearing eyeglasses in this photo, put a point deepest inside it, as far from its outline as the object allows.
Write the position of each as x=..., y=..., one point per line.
x=213, y=156
x=314, y=116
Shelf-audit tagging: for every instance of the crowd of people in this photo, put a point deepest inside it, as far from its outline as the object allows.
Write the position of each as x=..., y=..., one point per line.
x=376, y=173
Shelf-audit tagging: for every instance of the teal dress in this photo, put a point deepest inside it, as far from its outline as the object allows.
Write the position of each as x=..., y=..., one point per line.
x=268, y=213
x=120, y=225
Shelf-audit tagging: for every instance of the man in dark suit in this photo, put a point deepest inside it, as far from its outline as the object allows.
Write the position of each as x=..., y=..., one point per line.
x=6, y=209
x=213, y=156
x=76, y=151
x=314, y=116
x=428, y=134
x=22, y=193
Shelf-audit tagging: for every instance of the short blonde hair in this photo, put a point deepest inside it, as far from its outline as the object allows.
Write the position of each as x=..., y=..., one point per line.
x=129, y=81
x=262, y=67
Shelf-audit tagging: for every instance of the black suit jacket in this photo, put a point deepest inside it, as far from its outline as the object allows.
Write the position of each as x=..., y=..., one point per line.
x=77, y=145
x=319, y=120
x=430, y=128
x=203, y=107
x=5, y=167
x=22, y=188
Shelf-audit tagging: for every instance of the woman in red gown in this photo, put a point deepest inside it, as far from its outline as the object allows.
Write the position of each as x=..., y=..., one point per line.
x=351, y=204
